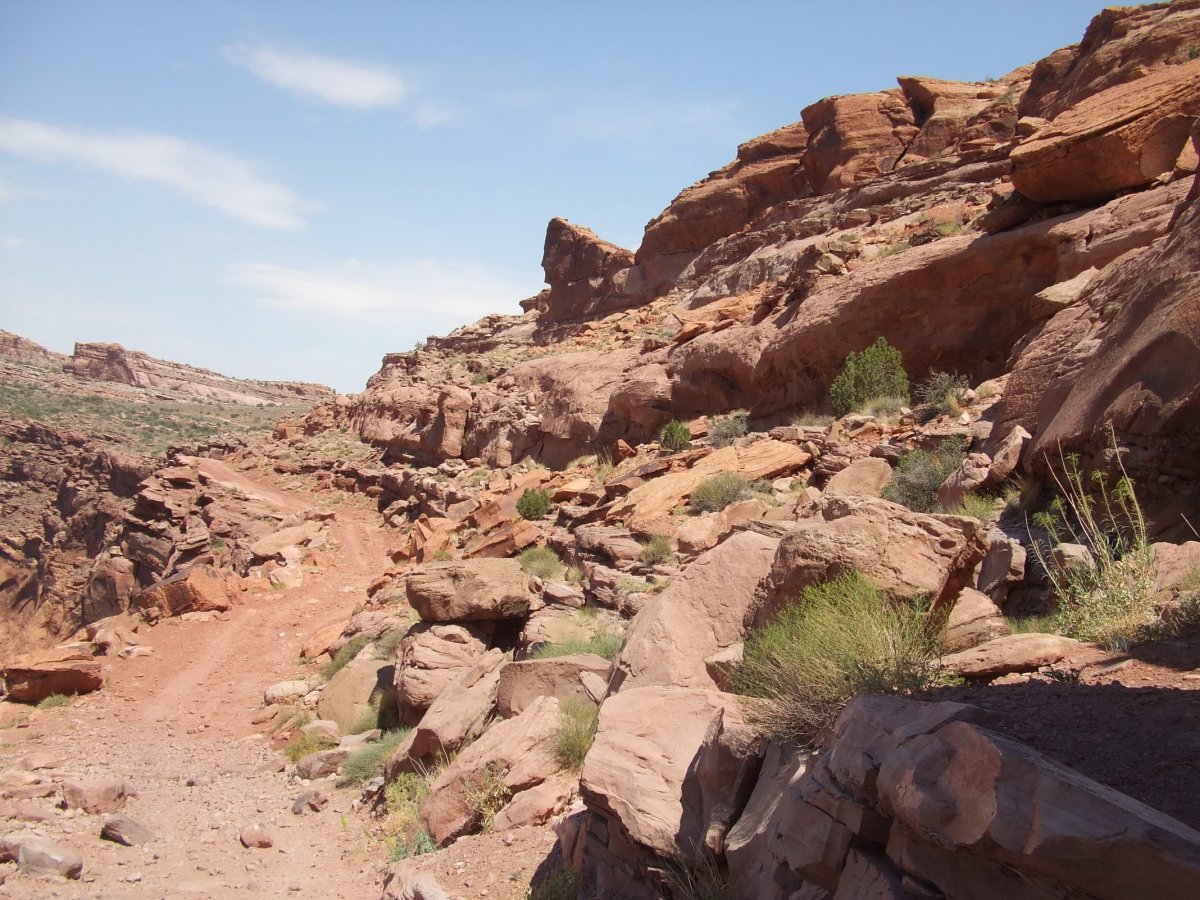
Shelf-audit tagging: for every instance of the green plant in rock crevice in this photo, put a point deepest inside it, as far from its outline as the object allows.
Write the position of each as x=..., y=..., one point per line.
x=1109, y=598
x=877, y=371
x=674, y=436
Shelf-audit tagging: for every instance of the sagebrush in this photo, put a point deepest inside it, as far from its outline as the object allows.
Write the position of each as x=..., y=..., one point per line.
x=533, y=504
x=920, y=473
x=675, y=436
x=715, y=493
x=724, y=430
x=542, y=562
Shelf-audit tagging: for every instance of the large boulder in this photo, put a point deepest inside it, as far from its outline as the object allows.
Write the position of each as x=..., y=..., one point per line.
x=198, y=589
x=521, y=683
x=904, y=553
x=581, y=270
x=429, y=659
x=61, y=670
x=668, y=769
x=469, y=590
x=511, y=757
x=459, y=715
x=700, y=613
x=360, y=687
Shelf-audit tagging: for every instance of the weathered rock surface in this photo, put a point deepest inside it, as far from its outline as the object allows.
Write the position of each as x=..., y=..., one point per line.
x=904, y=553
x=513, y=755
x=469, y=590
x=1011, y=653
x=1124, y=137
x=97, y=795
x=561, y=677
x=429, y=658
x=199, y=589
x=360, y=687
x=63, y=670
x=40, y=856
x=700, y=613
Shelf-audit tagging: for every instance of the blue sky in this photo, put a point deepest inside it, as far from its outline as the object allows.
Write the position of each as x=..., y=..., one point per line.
x=293, y=189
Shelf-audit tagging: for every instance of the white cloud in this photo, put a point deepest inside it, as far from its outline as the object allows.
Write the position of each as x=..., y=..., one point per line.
x=333, y=81
x=432, y=114
x=13, y=243
x=414, y=289
x=207, y=175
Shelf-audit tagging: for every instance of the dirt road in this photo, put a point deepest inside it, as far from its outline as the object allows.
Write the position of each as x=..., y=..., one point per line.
x=177, y=726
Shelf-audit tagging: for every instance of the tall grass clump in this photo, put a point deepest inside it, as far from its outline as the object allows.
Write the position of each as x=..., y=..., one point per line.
x=919, y=474
x=542, y=562
x=877, y=371
x=402, y=800
x=943, y=392
x=716, y=493
x=724, y=430
x=574, y=732
x=487, y=792
x=533, y=504
x=342, y=658
x=606, y=644
x=835, y=641
x=675, y=436
x=1111, y=599
x=368, y=762
x=561, y=883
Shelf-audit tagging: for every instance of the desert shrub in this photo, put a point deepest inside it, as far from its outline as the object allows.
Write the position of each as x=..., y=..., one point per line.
x=369, y=761
x=533, y=504
x=606, y=644
x=877, y=371
x=920, y=473
x=634, y=586
x=560, y=883
x=948, y=229
x=341, y=659
x=716, y=493
x=442, y=555
x=487, y=793
x=573, y=575
x=54, y=701
x=675, y=436
x=943, y=391
x=1045, y=623
x=1111, y=599
x=302, y=744
x=724, y=430
x=657, y=550
x=835, y=641
x=574, y=732
x=541, y=561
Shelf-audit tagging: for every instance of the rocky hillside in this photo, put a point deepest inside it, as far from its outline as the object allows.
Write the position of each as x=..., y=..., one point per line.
x=653, y=621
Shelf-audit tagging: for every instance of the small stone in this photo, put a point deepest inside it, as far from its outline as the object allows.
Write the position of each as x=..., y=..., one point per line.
x=124, y=830
x=256, y=837
x=310, y=800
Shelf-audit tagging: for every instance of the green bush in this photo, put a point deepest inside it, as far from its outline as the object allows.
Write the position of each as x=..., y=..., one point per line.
x=574, y=732
x=724, y=430
x=542, y=562
x=978, y=506
x=369, y=761
x=303, y=744
x=919, y=474
x=837, y=640
x=348, y=651
x=533, y=504
x=54, y=701
x=675, y=436
x=943, y=391
x=657, y=550
x=1111, y=601
x=877, y=371
x=716, y=493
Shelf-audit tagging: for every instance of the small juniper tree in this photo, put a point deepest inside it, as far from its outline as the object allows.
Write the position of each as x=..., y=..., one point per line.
x=877, y=371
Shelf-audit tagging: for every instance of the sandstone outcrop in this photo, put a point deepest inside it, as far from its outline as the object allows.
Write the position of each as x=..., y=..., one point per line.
x=112, y=362
x=470, y=590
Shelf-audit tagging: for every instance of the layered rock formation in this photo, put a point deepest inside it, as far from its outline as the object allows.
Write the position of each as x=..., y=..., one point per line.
x=113, y=363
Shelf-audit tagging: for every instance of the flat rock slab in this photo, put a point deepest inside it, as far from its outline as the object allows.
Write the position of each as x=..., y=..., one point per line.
x=1013, y=653
x=124, y=830
x=40, y=856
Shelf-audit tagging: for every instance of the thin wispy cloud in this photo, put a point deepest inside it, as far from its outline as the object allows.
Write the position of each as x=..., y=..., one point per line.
x=13, y=243
x=424, y=289
x=204, y=174
x=338, y=82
